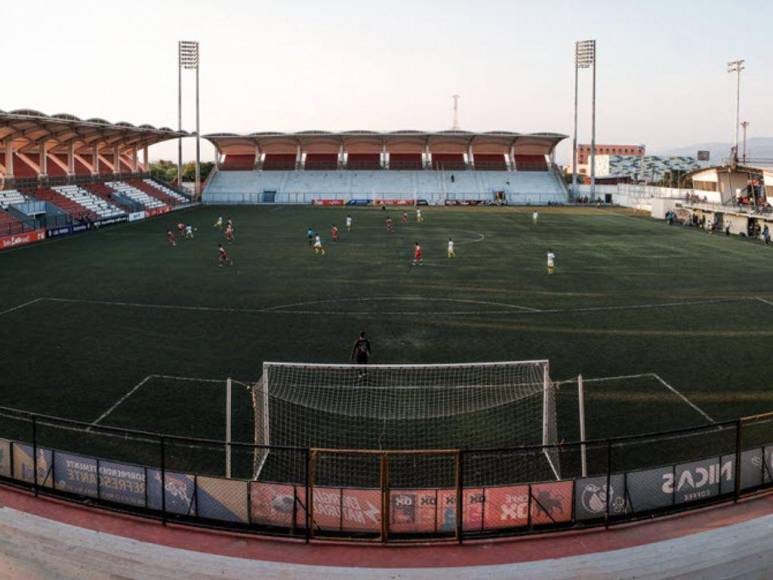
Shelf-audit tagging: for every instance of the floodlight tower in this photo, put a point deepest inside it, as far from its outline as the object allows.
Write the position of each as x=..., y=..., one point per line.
x=584, y=57
x=736, y=66
x=455, y=126
x=188, y=58
x=745, y=125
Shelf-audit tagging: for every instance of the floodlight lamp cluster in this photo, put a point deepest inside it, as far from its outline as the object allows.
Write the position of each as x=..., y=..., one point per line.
x=585, y=53
x=735, y=66
x=189, y=54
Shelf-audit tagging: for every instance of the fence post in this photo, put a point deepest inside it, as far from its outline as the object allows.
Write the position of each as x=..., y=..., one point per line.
x=459, y=496
x=163, y=479
x=35, y=454
x=384, y=461
x=306, y=456
x=737, y=475
x=609, y=481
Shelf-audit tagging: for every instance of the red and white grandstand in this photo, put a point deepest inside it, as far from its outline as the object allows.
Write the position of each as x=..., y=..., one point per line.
x=60, y=175
x=368, y=166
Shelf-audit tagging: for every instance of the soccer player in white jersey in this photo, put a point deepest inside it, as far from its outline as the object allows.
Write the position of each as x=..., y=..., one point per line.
x=348, y=223
x=318, y=249
x=419, y=217
x=535, y=217
x=219, y=223
x=188, y=231
x=451, y=252
x=551, y=261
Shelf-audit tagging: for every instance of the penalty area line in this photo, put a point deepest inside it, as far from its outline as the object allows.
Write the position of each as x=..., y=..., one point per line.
x=139, y=385
x=20, y=306
x=684, y=398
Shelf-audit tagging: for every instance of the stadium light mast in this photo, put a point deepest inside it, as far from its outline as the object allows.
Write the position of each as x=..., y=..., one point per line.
x=584, y=57
x=188, y=58
x=744, y=125
x=736, y=66
x=455, y=126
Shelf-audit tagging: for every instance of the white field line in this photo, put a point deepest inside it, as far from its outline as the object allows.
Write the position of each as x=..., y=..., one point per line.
x=136, y=387
x=131, y=391
x=20, y=306
x=655, y=376
x=481, y=237
x=285, y=308
x=685, y=399
x=763, y=301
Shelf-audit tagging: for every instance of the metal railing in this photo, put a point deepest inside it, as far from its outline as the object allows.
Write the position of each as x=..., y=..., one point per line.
x=387, y=495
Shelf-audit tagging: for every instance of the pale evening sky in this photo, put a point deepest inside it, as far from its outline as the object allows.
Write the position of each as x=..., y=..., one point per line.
x=346, y=64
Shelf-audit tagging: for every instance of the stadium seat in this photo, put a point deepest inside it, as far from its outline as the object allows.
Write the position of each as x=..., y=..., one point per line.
x=135, y=194
x=65, y=203
x=238, y=162
x=485, y=162
x=279, y=162
x=157, y=193
x=448, y=161
x=405, y=161
x=321, y=162
x=363, y=161
x=88, y=200
x=530, y=163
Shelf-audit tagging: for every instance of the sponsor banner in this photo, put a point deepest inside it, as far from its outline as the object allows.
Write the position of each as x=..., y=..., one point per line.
x=698, y=480
x=75, y=474
x=646, y=489
x=272, y=505
x=153, y=212
x=551, y=503
x=327, y=202
x=136, y=216
x=413, y=511
x=767, y=475
x=178, y=492
x=347, y=510
x=24, y=465
x=752, y=464
x=110, y=221
x=358, y=202
x=5, y=458
x=56, y=232
x=394, y=202
x=506, y=507
x=472, y=508
x=361, y=510
x=468, y=202
x=222, y=499
x=78, y=228
x=592, y=497
x=22, y=239
x=121, y=483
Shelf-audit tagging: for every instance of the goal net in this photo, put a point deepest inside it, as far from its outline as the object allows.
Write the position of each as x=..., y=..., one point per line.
x=477, y=406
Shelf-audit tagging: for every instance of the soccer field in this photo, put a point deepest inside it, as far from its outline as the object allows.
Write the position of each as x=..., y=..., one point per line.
x=670, y=327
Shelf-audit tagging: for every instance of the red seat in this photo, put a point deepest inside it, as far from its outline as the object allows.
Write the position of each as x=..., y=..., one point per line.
x=279, y=162
x=321, y=161
x=363, y=161
x=67, y=205
x=238, y=162
x=487, y=162
x=410, y=161
x=448, y=161
x=530, y=163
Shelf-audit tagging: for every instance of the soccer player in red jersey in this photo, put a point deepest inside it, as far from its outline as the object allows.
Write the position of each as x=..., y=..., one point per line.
x=334, y=233
x=229, y=233
x=223, y=257
x=417, y=256
x=404, y=217
x=170, y=238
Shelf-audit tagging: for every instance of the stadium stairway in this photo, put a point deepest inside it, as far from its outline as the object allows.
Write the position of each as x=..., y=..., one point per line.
x=103, y=191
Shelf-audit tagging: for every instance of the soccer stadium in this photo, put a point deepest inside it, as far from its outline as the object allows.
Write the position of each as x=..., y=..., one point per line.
x=379, y=352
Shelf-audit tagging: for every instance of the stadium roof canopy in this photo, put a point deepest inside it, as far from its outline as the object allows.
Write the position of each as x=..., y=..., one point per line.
x=27, y=130
x=491, y=141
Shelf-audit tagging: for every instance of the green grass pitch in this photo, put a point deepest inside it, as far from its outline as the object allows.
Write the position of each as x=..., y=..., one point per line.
x=687, y=317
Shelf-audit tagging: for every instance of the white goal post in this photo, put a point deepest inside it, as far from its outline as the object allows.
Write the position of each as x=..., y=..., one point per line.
x=479, y=406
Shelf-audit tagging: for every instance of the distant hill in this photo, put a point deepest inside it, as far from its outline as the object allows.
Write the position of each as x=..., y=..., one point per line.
x=756, y=148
